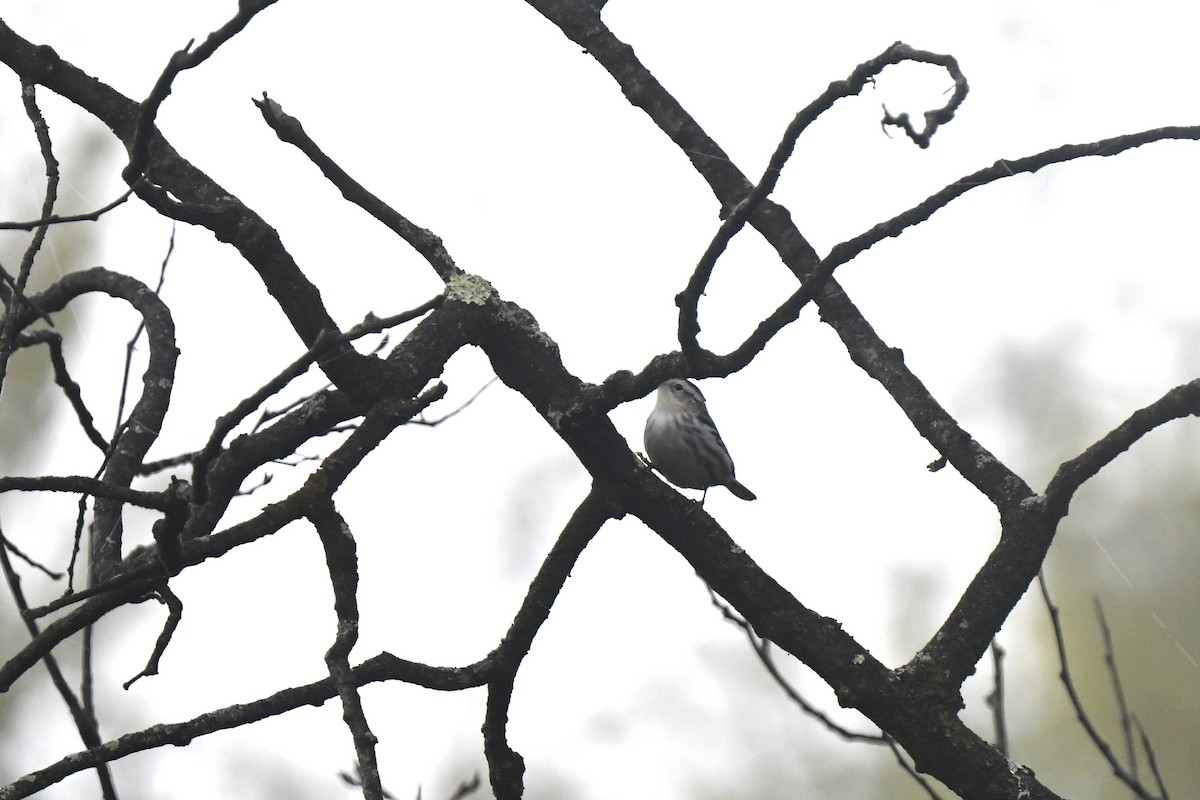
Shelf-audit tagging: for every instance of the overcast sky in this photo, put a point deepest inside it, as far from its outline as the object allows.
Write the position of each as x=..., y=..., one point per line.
x=481, y=122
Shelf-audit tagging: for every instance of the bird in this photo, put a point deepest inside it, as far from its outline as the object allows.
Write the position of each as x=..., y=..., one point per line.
x=682, y=441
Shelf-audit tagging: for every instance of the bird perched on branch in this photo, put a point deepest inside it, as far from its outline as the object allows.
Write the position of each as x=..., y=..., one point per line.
x=683, y=444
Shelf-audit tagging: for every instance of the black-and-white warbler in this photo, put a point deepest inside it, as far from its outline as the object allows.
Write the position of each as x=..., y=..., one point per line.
x=683, y=444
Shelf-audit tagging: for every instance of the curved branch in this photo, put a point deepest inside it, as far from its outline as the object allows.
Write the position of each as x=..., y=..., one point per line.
x=143, y=134
x=383, y=667
x=1182, y=401
x=142, y=426
x=174, y=616
x=178, y=190
x=885, y=364
x=789, y=310
x=506, y=768
x=91, y=611
x=689, y=299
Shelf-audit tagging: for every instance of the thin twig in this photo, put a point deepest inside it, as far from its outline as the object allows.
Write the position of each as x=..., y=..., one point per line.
x=1110, y=661
x=174, y=615
x=1162, y=789
x=433, y=423
x=85, y=721
x=910, y=769
x=12, y=320
x=465, y=788
x=325, y=342
x=62, y=377
x=42, y=568
x=59, y=219
x=187, y=58
x=83, y=485
x=355, y=780
x=1080, y=713
x=688, y=300
x=996, y=698
x=762, y=649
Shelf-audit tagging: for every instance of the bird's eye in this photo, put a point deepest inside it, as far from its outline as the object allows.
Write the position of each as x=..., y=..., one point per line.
x=678, y=387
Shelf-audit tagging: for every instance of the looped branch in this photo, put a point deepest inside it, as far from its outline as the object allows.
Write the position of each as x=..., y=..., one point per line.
x=144, y=422
x=689, y=299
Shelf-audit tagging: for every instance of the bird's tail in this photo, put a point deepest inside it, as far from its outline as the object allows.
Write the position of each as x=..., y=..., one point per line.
x=739, y=490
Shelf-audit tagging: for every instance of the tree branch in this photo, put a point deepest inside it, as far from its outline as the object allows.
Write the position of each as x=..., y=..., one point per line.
x=1181, y=401
x=689, y=299
x=425, y=242
x=383, y=667
x=1129, y=779
x=506, y=768
x=178, y=190
x=174, y=615
x=342, y=561
x=144, y=131
x=145, y=420
x=84, y=721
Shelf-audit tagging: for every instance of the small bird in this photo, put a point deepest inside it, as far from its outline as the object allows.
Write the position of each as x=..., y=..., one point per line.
x=683, y=444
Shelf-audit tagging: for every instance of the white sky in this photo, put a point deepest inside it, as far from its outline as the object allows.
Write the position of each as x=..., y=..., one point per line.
x=481, y=122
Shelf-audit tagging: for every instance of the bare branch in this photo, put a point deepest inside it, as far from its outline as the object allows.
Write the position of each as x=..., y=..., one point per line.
x=1158, y=780
x=342, y=561
x=762, y=649
x=25, y=557
x=15, y=299
x=137, y=334
x=355, y=780
x=425, y=242
x=58, y=219
x=433, y=423
x=1182, y=401
x=62, y=377
x=1081, y=714
x=145, y=420
x=506, y=768
x=324, y=345
x=42, y=131
x=688, y=300
x=465, y=788
x=85, y=721
x=84, y=485
x=1110, y=661
x=139, y=145
x=996, y=699
x=174, y=615
x=383, y=667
